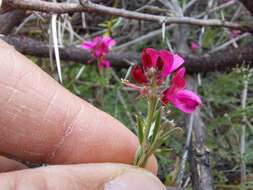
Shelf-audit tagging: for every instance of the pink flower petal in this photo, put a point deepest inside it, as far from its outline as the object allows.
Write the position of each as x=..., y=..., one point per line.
x=149, y=57
x=101, y=49
x=164, y=63
x=181, y=72
x=99, y=46
x=88, y=45
x=178, y=61
x=167, y=96
x=138, y=75
x=109, y=42
x=186, y=101
x=194, y=45
x=97, y=39
x=178, y=81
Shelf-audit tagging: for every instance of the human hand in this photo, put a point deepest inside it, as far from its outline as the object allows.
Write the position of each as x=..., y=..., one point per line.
x=42, y=122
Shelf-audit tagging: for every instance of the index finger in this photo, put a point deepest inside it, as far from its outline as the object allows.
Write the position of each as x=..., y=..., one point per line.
x=41, y=121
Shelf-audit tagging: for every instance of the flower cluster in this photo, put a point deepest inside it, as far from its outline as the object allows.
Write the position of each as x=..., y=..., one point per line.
x=99, y=47
x=150, y=76
x=156, y=67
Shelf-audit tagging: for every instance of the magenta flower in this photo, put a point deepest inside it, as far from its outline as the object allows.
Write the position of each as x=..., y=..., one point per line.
x=195, y=46
x=156, y=67
x=99, y=46
x=138, y=75
x=185, y=100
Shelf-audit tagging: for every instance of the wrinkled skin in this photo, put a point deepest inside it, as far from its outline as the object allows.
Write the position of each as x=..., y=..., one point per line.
x=42, y=122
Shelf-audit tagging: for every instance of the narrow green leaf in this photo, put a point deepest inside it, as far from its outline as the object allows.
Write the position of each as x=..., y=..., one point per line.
x=140, y=128
x=165, y=136
x=163, y=150
x=156, y=127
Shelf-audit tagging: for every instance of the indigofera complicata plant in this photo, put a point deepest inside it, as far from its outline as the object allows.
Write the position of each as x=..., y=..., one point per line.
x=150, y=77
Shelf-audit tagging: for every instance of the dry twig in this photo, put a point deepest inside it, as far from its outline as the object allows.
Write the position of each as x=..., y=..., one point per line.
x=60, y=8
x=218, y=61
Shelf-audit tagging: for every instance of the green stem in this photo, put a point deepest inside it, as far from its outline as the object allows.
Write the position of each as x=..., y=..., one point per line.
x=151, y=110
x=145, y=146
x=141, y=162
x=144, y=157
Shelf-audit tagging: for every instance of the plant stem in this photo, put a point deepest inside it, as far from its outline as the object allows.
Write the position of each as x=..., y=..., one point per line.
x=145, y=146
x=144, y=158
x=151, y=110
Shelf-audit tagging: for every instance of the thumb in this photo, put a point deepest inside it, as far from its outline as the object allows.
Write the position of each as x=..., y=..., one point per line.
x=82, y=177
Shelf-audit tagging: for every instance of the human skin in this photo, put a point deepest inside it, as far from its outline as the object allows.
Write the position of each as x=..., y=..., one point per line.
x=42, y=122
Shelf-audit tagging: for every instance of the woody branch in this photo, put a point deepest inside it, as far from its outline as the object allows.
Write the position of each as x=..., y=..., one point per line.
x=87, y=6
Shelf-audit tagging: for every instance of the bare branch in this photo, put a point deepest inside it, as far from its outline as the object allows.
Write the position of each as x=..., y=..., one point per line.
x=218, y=61
x=199, y=154
x=14, y=18
x=248, y=4
x=60, y=8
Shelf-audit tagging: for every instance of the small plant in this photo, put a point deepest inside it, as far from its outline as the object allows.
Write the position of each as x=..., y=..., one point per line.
x=150, y=78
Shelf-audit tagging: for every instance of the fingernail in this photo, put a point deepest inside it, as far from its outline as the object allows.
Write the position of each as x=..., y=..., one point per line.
x=135, y=180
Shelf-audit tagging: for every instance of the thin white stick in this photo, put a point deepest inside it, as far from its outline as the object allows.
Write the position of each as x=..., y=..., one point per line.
x=56, y=48
x=223, y=46
x=188, y=5
x=84, y=25
x=222, y=6
x=243, y=132
x=60, y=31
x=143, y=38
x=80, y=72
x=24, y=23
